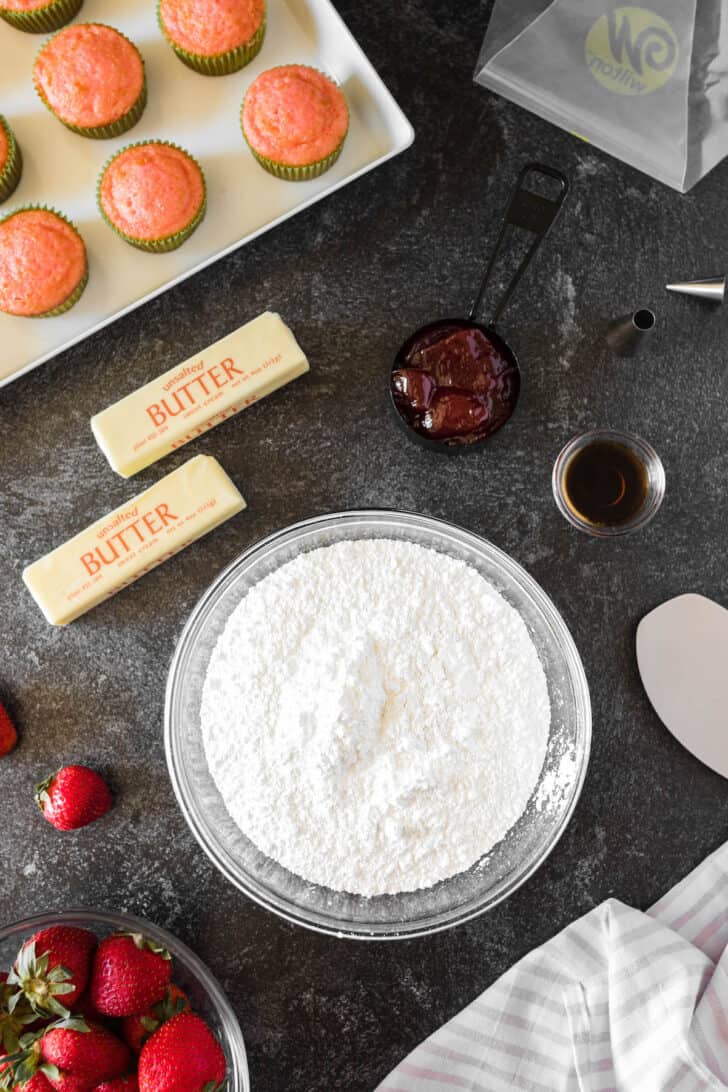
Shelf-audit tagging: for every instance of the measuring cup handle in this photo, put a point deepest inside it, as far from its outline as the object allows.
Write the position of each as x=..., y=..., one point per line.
x=531, y=212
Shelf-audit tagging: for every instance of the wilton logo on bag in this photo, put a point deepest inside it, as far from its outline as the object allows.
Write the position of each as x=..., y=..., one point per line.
x=631, y=51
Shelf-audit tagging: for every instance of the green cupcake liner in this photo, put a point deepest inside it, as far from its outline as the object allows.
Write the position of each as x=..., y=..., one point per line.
x=11, y=172
x=168, y=242
x=297, y=174
x=54, y=14
x=114, y=128
x=219, y=64
x=75, y=296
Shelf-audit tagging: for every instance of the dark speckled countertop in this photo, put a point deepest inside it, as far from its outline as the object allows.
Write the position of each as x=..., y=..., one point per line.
x=353, y=275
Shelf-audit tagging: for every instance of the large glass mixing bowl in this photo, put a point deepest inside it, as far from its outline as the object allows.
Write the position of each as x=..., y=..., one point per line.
x=452, y=901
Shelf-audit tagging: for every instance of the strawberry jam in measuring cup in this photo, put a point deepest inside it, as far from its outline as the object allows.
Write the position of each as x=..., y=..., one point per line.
x=456, y=381
x=453, y=383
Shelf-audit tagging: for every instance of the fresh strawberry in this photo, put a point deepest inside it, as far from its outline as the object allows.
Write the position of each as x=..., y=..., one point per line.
x=137, y=1029
x=8, y=732
x=73, y=797
x=183, y=1056
x=27, y=1065
x=129, y=974
x=52, y=969
x=94, y=1055
x=123, y=1084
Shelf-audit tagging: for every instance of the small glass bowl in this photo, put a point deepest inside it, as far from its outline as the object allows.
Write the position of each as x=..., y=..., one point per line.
x=413, y=913
x=646, y=455
x=190, y=973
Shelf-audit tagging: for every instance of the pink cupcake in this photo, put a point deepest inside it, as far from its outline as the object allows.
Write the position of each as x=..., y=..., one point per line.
x=214, y=37
x=39, y=16
x=92, y=78
x=153, y=195
x=43, y=266
x=295, y=121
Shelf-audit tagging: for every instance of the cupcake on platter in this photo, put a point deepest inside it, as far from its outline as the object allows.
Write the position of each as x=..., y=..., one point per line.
x=11, y=161
x=92, y=78
x=214, y=37
x=153, y=195
x=43, y=264
x=295, y=121
x=39, y=16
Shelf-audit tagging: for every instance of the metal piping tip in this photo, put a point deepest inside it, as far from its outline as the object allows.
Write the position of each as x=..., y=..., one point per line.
x=712, y=288
x=626, y=335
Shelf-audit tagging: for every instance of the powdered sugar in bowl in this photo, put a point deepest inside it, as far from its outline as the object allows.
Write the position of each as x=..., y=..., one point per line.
x=406, y=899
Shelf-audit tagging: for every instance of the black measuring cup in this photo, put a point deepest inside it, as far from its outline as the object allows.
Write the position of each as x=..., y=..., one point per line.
x=455, y=382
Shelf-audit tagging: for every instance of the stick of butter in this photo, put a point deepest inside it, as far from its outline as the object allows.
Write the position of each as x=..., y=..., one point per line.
x=208, y=388
x=133, y=539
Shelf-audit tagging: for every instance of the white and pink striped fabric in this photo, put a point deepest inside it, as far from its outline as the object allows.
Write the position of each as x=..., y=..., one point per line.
x=620, y=1001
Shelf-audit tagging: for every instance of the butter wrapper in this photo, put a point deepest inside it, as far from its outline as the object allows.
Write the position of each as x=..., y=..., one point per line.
x=186, y=401
x=132, y=540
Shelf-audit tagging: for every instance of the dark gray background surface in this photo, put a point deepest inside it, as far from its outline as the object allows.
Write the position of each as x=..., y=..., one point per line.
x=353, y=276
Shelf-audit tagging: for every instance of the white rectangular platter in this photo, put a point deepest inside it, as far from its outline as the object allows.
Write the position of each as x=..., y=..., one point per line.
x=200, y=113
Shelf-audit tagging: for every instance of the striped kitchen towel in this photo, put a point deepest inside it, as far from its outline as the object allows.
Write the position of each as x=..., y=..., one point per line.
x=620, y=1001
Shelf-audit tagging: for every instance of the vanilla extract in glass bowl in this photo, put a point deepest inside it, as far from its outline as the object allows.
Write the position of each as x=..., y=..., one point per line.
x=608, y=483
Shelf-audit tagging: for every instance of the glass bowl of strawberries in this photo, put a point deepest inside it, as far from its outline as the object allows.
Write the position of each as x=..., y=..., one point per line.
x=96, y=1001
